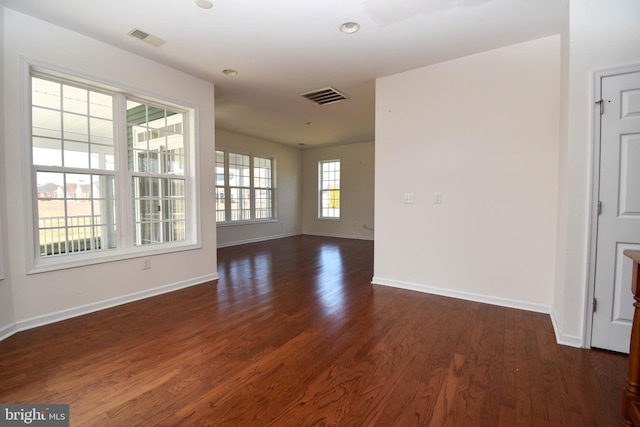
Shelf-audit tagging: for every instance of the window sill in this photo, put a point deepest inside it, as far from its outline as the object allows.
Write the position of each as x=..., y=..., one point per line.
x=43, y=265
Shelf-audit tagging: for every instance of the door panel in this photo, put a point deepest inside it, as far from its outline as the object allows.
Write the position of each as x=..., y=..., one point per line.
x=622, y=300
x=618, y=225
x=630, y=175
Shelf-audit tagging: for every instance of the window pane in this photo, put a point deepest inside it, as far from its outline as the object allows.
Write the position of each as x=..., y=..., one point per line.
x=263, y=204
x=100, y=105
x=240, y=204
x=51, y=227
x=221, y=214
x=177, y=188
x=330, y=176
x=75, y=127
x=45, y=93
x=76, y=155
x=102, y=157
x=75, y=99
x=175, y=161
x=46, y=122
x=76, y=213
x=155, y=139
x=331, y=204
x=142, y=162
x=159, y=210
x=219, y=167
x=50, y=185
x=101, y=131
x=239, y=172
x=262, y=172
x=47, y=151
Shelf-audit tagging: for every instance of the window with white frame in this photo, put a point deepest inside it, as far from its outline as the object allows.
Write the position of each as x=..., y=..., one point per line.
x=109, y=170
x=329, y=189
x=244, y=187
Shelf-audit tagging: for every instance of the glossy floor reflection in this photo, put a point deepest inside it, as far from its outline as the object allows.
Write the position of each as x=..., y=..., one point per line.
x=253, y=271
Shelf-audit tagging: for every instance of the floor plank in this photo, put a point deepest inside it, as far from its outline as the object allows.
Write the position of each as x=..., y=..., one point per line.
x=294, y=334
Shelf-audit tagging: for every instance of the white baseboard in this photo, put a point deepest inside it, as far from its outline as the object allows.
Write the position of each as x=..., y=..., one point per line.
x=521, y=305
x=502, y=302
x=112, y=302
x=255, y=240
x=564, y=339
x=339, y=236
x=7, y=331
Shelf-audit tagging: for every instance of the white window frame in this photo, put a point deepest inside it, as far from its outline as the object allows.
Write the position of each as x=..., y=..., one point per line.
x=126, y=249
x=252, y=189
x=321, y=191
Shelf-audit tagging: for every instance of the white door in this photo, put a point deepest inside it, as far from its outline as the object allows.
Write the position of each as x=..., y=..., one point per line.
x=618, y=225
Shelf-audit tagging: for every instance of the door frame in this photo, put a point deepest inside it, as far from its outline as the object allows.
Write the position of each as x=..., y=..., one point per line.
x=592, y=237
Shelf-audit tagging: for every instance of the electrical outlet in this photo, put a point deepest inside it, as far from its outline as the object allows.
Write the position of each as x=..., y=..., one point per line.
x=146, y=264
x=408, y=198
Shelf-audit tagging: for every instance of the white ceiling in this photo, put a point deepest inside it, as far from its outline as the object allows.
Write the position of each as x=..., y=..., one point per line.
x=282, y=48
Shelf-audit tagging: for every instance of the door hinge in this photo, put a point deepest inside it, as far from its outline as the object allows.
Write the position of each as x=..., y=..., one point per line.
x=599, y=207
x=601, y=103
x=595, y=304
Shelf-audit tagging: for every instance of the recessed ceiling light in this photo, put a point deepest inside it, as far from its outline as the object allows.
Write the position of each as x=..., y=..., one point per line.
x=308, y=123
x=229, y=72
x=349, y=27
x=205, y=4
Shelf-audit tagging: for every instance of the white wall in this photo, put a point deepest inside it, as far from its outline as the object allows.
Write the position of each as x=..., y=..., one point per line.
x=288, y=182
x=483, y=131
x=356, y=193
x=601, y=35
x=46, y=297
x=7, y=325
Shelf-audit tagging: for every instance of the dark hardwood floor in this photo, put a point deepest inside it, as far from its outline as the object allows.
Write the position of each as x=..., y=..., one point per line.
x=294, y=334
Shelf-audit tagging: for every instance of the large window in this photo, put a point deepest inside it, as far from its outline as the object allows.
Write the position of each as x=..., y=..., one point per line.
x=110, y=170
x=244, y=187
x=329, y=189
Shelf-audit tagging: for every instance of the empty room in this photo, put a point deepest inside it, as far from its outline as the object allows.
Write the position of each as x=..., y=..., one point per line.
x=352, y=213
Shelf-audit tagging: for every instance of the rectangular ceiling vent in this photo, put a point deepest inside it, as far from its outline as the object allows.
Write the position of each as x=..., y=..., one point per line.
x=327, y=95
x=146, y=37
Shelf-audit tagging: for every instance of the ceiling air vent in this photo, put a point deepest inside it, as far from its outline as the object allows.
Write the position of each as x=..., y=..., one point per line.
x=327, y=95
x=146, y=37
